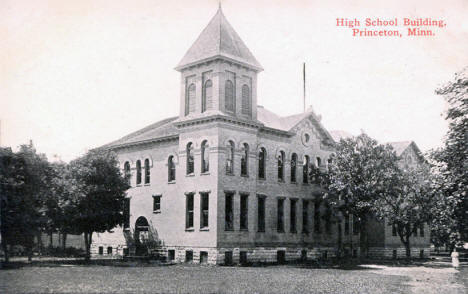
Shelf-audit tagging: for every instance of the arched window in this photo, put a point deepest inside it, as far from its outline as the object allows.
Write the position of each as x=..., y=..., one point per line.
x=171, y=172
x=245, y=160
x=229, y=97
x=207, y=96
x=319, y=162
x=281, y=166
x=190, y=100
x=261, y=163
x=293, y=167
x=205, y=154
x=305, y=169
x=127, y=173
x=147, y=171
x=138, y=168
x=246, y=103
x=190, y=159
x=230, y=158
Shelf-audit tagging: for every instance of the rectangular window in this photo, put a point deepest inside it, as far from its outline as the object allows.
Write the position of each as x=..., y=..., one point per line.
x=204, y=207
x=261, y=214
x=280, y=216
x=346, y=224
x=394, y=230
x=355, y=225
x=126, y=213
x=229, y=212
x=156, y=203
x=305, y=216
x=421, y=230
x=189, y=212
x=109, y=250
x=317, y=225
x=292, y=216
x=101, y=250
x=244, y=212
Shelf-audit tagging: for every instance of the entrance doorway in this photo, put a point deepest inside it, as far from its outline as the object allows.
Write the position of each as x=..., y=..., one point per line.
x=141, y=236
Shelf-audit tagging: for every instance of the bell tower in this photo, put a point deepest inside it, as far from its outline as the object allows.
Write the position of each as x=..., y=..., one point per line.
x=218, y=74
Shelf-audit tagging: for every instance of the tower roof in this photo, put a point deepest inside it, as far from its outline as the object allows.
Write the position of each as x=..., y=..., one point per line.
x=219, y=40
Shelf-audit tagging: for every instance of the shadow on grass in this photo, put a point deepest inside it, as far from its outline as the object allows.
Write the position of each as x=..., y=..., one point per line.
x=336, y=264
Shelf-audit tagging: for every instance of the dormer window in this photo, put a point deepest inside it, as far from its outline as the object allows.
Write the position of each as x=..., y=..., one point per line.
x=229, y=96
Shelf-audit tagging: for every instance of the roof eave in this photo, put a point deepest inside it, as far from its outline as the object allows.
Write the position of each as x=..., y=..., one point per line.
x=256, y=68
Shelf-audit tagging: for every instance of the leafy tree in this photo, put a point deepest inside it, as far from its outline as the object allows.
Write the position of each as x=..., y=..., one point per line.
x=409, y=206
x=97, y=194
x=25, y=176
x=452, y=163
x=359, y=171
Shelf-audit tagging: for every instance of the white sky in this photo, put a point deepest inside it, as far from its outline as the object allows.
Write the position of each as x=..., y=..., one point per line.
x=78, y=74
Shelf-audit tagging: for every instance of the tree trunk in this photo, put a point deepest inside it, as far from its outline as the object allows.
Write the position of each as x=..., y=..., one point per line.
x=5, y=250
x=88, y=239
x=64, y=241
x=405, y=239
x=363, y=238
x=51, y=240
x=408, y=249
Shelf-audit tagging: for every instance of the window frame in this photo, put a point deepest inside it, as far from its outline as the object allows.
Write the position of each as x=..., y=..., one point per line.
x=280, y=166
x=205, y=157
x=189, y=149
x=280, y=215
x=293, y=215
x=204, y=210
x=246, y=102
x=245, y=160
x=157, y=203
x=207, y=85
x=171, y=169
x=262, y=163
x=230, y=150
x=229, y=211
x=138, y=172
x=244, y=212
x=293, y=168
x=305, y=169
x=189, y=211
x=147, y=169
x=229, y=96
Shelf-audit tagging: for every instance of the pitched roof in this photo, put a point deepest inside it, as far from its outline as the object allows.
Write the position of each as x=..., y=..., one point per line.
x=287, y=123
x=400, y=147
x=219, y=39
x=158, y=130
x=340, y=134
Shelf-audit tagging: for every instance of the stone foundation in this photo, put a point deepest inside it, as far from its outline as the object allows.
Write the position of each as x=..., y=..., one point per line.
x=398, y=252
x=107, y=251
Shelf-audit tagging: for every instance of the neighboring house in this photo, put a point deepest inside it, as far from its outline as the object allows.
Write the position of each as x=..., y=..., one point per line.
x=226, y=181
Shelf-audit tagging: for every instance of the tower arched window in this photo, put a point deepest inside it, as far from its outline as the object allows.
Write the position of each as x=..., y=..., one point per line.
x=127, y=173
x=190, y=159
x=207, y=96
x=261, y=163
x=190, y=100
x=305, y=169
x=293, y=167
x=281, y=166
x=245, y=160
x=147, y=171
x=205, y=154
x=229, y=96
x=246, y=101
x=230, y=157
x=138, y=170
x=319, y=161
x=171, y=172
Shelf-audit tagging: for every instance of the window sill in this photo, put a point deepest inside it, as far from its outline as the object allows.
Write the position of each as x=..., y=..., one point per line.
x=260, y=231
x=229, y=230
x=157, y=211
x=305, y=233
x=245, y=176
x=281, y=181
x=305, y=184
x=205, y=173
x=190, y=175
x=244, y=230
x=204, y=229
x=293, y=232
x=148, y=184
x=138, y=185
x=294, y=183
x=261, y=179
x=189, y=229
x=171, y=182
x=280, y=232
x=229, y=174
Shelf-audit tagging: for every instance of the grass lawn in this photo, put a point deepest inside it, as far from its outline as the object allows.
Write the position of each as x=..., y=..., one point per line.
x=205, y=279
